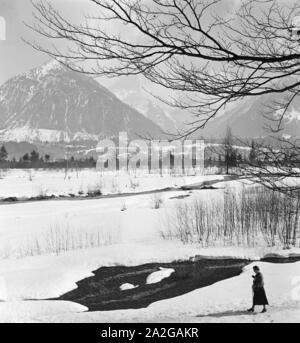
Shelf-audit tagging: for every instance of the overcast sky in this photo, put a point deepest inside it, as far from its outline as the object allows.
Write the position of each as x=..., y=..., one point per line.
x=16, y=56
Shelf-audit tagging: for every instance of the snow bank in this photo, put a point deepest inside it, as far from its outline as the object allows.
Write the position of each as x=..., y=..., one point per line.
x=156, y=277
x=127, y=286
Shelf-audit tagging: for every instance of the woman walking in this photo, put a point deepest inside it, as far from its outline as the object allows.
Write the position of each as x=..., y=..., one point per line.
x=259, y=294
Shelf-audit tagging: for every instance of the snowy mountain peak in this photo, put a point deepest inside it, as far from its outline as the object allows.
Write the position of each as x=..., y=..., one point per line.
x=53, y=103
x=249, y=119
x=50, y=66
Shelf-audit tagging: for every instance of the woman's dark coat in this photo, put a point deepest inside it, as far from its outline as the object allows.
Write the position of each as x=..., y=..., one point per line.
x=259, y=294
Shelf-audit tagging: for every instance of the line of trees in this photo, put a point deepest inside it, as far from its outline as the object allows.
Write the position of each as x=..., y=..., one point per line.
x=3, y=154
x=230, y=156
x=35, y=160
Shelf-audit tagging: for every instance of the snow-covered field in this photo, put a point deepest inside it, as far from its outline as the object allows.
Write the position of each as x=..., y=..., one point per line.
x=31, y=183
x=129, y=229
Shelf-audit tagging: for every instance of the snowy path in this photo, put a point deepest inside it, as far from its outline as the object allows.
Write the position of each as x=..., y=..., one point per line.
x=57, y=312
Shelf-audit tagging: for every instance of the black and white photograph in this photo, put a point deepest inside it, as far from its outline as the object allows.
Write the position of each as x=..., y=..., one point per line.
x=149, y=164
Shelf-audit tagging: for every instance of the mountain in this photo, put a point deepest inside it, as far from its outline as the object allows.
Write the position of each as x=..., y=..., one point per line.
x=54, y=104
x=160, y=116
x=136, y=92
x=246, y=119
x=249, y=119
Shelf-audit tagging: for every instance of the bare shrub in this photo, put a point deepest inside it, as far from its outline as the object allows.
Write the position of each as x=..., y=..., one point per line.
x=115, y=187
x=246, y=217
x=42, y=193
x=134, y=184
x=3, y=173
x=156, y=201
x=96, y=190
x=278, y=217
x=30, y=175
x=123, y=206
x=58, y=240
x=194, y=222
